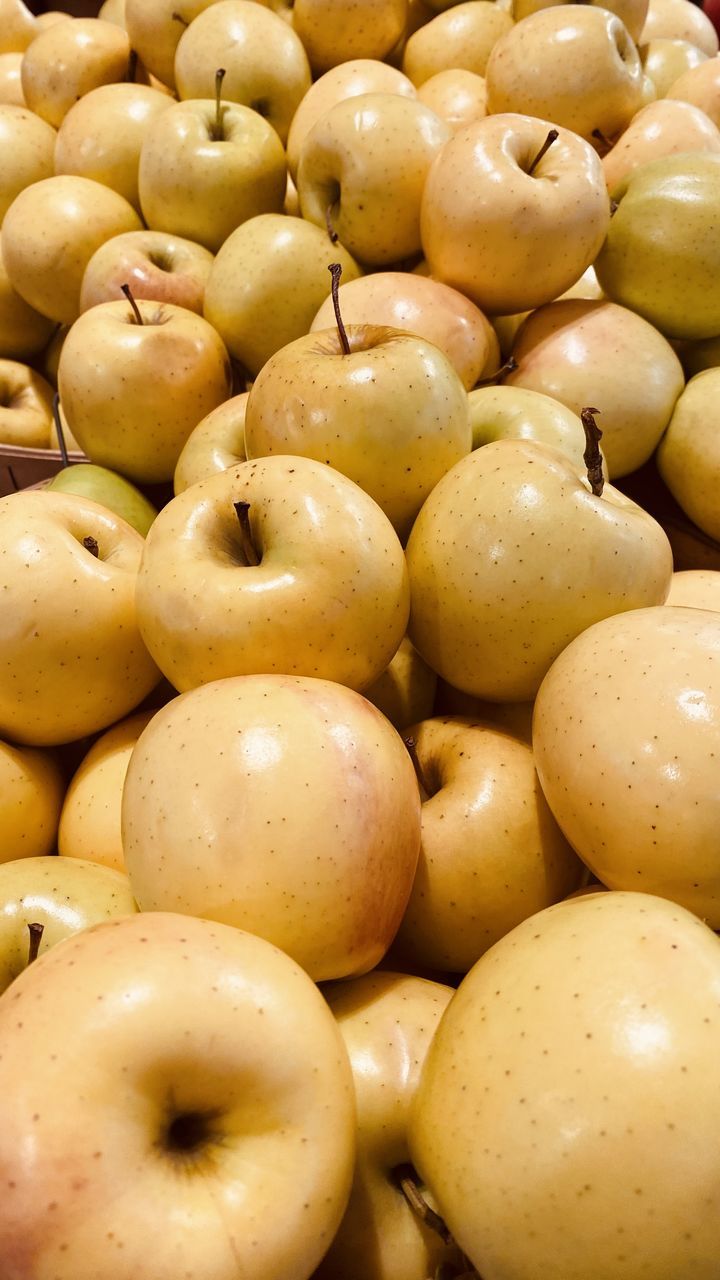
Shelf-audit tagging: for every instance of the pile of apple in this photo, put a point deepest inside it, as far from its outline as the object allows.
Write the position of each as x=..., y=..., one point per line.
x=359, y=745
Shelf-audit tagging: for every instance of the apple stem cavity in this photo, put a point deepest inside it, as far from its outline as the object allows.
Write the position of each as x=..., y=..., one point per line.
x=420, y=774
x=335, y=270
x=177, y=17
x=592, y=455
x=59, y=428
x=407, y=1180
x=36, y=932
x=553, y=135
x=135, y=308
x=332, y=233
x=242, y=510
x=132, y=66
x=217, y=133
x=509, y=366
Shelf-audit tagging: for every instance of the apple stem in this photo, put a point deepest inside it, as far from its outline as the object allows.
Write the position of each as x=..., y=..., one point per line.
x=509, y=366
x=332, y=233
x=553, y=135
x=132, y=66
x=242, y=510
x=36, y=932
x=59, y=428
x=90, y=544
x=592, y=455
x=177, y=17
x=335, y=270
x=605, y=143
x=407, y=1180
x=420, y=774
x=218, y=130
x=136, y=310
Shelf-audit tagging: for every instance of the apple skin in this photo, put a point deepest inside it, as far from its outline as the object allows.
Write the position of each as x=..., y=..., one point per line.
x=216, y=443
x=328, y=598
x=701, y=87
x=515, y=413
x=23, y=331
x=25, y=406
x=664, y=61
x=695, y=588
x=32, y=788
x=19, y=26
x=458, y=97
x=10, y=83
x=333, y=34
x=405, y=692
x=230, y=1126
x=108, y=488
x=461, y=38
x=577, y=1056
x=297, y=764
x=157, y=266
x=662, y=128
x=28, y=145
x=68, y=60
x=688, y=457
x=680, y=20
x=632, y=12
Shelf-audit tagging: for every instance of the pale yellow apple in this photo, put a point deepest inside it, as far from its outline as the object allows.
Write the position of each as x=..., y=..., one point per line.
x=10, y=82
x=230, y=1123
x=512, y=555
x=267, y=283
x=459, y=97
x=333, y=33
x=515, y=413
x=266, y=66
x=50, y=17
x=63, y=896
x=664, y=61
x=322, y=589
x=460, y=38
x=569, y=1088
x=573, y=64
x=288, y=806
x=363, y=167
x=26, y=412
x=665, y=127
x=101, y=136
x=424, y=307
x=348, y=80
x=387, y=1021
x=587, y=287
x=688, y=456
x=89, y=826
x=113, y=11
x=49, y=235
x=700, y=86
x=695, y=588
x=601, y=354
x=216, y=443
x=69, y=59
x=631, y=12
x=679, y=20
x=32, y=787
x=27, y=145
x=66, y=560
x=405, y=692
x=638, y=802
x=156, y=265
x=18, y=26
x=155, y=28
x=23, y=331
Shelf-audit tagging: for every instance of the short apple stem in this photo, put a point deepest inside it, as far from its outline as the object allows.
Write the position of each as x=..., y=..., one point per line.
x=218, y=130
x=90, y=544
x=592, y=455
x=332, y=233
x=509, y=366
x=36, y=932
x=420, y=774
x=335, y=270
x=177, y=17
x=605, y=143
x=407, y=1180
x=135, y=308
x=59, y=428
x=553, y=135
x=242, y=510
x=132, y=66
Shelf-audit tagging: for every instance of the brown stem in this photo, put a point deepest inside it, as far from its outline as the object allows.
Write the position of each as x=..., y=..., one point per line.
x=36, y=932
x=136, y=310
x=132, y=66
x=59, y=428
x=509, y=366
x=592, y=455
x=242, y=510
x=90, y=544
x=330, y=228
x=217, y=133
x=553, y=135
x=177, y=17
x=336, y=271
x=605, y=143
x=407, y=1180
x=420, y=774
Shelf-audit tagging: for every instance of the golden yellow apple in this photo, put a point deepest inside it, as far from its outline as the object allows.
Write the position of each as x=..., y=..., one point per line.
x=701, y=87
x=664, y=61
x=662, y=128
x=32, y=787
x=334, y=33
x=461, y=38
x=216, y=443
x=26, y=411
x=695, y=588
x=28, y=146
x=67, y=60
x=459, y=97
x=679, y=20
x=688, y=457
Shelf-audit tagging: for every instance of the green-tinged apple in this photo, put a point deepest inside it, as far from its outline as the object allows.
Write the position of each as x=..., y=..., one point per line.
x=513, y=211
x=18, y=26
x=460, y=38
x=680, y=20
x=26, y=412
x=688, y=456
x=701, y=87
x=62, y=896
x=49, y=235
x=348, y=80
x=133, y=390
x=573, y=64
x=514, y=413
x=570, y=1088
x=68, y=560
x=69, y=59
x=405, y=692
x=662, y=128
x=109, y=488
x=32, y=787
x=387, y=1021
x=89, y=826
x=695, y=589
x=638, y=803
x=491, y=853
x=157, y=266
x=580, y=352
x=207, y=166
x=101, y=136
x=10, y=80
x=264, y=60
x=362, y=170
x=631, y=12
x=425, y=307
x=334, y=33
x=284, y=805
x=661, y=257
x=302, y=573
x=267, y=283
x=28, y=145
x=664, y=61
x=209, y=1082
x=216, y=443
x=23, y=331
x=458, y=97
x=514, y=553
x=390, y=412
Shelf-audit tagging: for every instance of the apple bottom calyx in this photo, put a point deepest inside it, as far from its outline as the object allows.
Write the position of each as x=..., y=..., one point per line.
x=460, y=1268
x=188, y=1137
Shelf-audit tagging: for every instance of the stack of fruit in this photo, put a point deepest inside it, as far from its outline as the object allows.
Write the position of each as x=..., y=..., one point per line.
x=359, y=855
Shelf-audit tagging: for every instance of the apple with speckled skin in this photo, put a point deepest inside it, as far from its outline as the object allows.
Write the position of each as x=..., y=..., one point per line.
x=334, y=34
x=28, y=145
x=32, y=787
x=578, y=1055
x=664, y=61
x=461, y=38
x=284, y=805
x=662, y=128
x=68, y=60
x=302, y=573
x=23, y=331
x=216, y=443
x=679, y=20
x=233, y=1083
x=632, y=12
x=157, y=266
x=26, y=413
x=701, y=87
x=61, y=678
x=513, y=555
x=514, y=413
x=405, y=691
